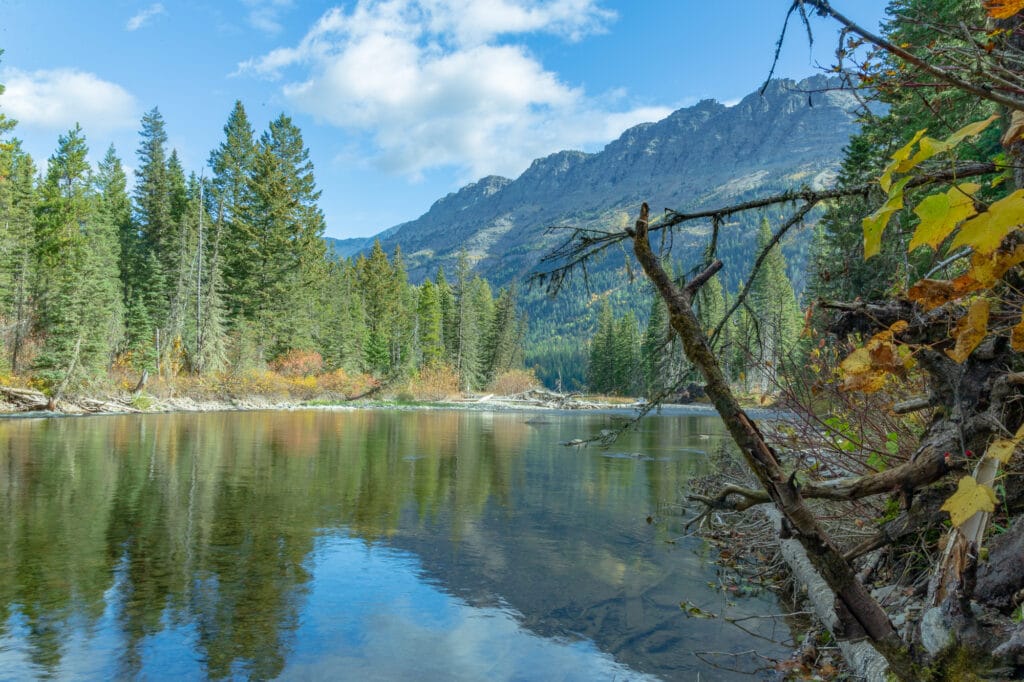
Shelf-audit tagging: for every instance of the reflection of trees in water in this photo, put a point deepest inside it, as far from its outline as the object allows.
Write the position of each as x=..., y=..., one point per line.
x=210, y=520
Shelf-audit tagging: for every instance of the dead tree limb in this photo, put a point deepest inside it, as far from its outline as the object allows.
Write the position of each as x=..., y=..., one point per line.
x=992, y=93
x=857, y=613
x=585, y=243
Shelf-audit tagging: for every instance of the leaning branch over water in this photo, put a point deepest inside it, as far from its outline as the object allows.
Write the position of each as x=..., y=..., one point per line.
x=584, y=243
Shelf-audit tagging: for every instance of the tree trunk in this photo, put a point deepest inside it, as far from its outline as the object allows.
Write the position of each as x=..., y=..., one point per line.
x=857, y=613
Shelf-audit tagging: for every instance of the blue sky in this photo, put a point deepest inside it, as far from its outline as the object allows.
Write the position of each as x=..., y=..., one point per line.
x=399, y=101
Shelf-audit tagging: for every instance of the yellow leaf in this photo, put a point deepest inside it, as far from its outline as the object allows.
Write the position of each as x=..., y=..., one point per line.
x=969, y=130
x=898, y=157
x=970, y=330
x=927, y=148
x=985, y=232
x=866, y=368
x=1001, y=449
x=1003, y=9
x=859, y=374
x=899, y=326
x=931, y=293
x=875, y=223
x=969, y=499
x=940, y=214
x=868, y=382
x=1019, y=436
x=1015, y=129
x=1017, y=336
x=987, y=269
x=857, y=362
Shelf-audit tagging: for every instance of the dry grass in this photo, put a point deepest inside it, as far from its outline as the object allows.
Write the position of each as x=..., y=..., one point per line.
x=513, y=381
x=433, y=382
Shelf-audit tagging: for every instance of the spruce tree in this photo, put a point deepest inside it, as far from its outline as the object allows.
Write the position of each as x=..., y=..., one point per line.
x=152, y=258
x=449, y=333
x=466, y=325
x=778, y=314
x=601, y=369
x=76, y=271
x=376, y=280
x=503, y=347
x=403, y=320
x=287, y=248
x=627, y=375
x=428, y=324
x=233, y=166
x=17, y=205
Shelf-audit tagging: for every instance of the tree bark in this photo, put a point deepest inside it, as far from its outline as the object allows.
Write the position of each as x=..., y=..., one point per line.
x=857, y=613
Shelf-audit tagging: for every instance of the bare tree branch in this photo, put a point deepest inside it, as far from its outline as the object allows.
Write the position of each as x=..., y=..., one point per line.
x=947, y=76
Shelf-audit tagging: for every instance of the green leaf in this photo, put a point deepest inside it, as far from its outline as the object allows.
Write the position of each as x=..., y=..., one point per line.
x=940, y=214
x=877, y=462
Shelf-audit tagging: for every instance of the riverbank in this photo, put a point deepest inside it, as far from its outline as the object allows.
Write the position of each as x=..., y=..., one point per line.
x=26, y=401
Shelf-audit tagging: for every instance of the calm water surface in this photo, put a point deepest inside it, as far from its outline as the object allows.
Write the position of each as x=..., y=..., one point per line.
x=364, y=545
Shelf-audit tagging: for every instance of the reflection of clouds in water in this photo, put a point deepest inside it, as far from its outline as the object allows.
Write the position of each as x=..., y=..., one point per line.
x=409, y=629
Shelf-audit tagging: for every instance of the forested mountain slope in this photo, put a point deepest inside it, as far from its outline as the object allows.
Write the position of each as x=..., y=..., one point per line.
x=701, y=156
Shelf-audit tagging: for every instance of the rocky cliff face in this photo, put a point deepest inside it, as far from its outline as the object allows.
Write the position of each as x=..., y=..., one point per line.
x=707, y=154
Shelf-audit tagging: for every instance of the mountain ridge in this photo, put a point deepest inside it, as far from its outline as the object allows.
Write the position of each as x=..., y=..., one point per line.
x=705, y=154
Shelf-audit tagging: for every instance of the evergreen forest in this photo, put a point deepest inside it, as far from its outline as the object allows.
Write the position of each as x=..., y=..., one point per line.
x=224, y=275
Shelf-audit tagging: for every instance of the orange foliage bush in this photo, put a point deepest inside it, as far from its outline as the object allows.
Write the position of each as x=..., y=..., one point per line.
x=345, y=385
x=513, y=381
x=298, y=363
x=433, y=382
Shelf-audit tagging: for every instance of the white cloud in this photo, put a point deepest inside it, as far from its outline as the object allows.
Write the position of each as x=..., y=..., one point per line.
x=265, y=15
x=441, y=82
x=144, y=16
x=57, y=99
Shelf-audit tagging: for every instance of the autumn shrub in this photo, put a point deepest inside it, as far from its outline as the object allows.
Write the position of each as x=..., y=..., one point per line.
x=432, y=382
x=513, y=381
x=341, y=383
x=298, y=363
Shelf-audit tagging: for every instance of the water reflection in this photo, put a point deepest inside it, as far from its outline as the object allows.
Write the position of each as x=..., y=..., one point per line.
x=434, y=544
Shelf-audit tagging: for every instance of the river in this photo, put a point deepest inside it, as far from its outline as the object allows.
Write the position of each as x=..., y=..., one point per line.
x=362, y=544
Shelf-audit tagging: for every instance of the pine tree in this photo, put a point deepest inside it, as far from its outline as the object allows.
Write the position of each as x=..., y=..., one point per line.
x=627, y=376
x=778, y=314
x=17, y=204
x=601, y=369
x=449, y=333
x=376, y=281
x=76, y=269
x=233, y=166
x=466, y=326
x=503, y=346
x=403, y=321
x=288, y=253
x=152, y=259
x=428, y=324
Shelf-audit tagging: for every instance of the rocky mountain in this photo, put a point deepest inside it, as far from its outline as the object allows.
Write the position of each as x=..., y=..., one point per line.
x=704, y=155
x=343, y=248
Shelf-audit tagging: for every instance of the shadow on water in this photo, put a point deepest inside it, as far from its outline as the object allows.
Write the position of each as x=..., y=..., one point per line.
x=376, y=544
